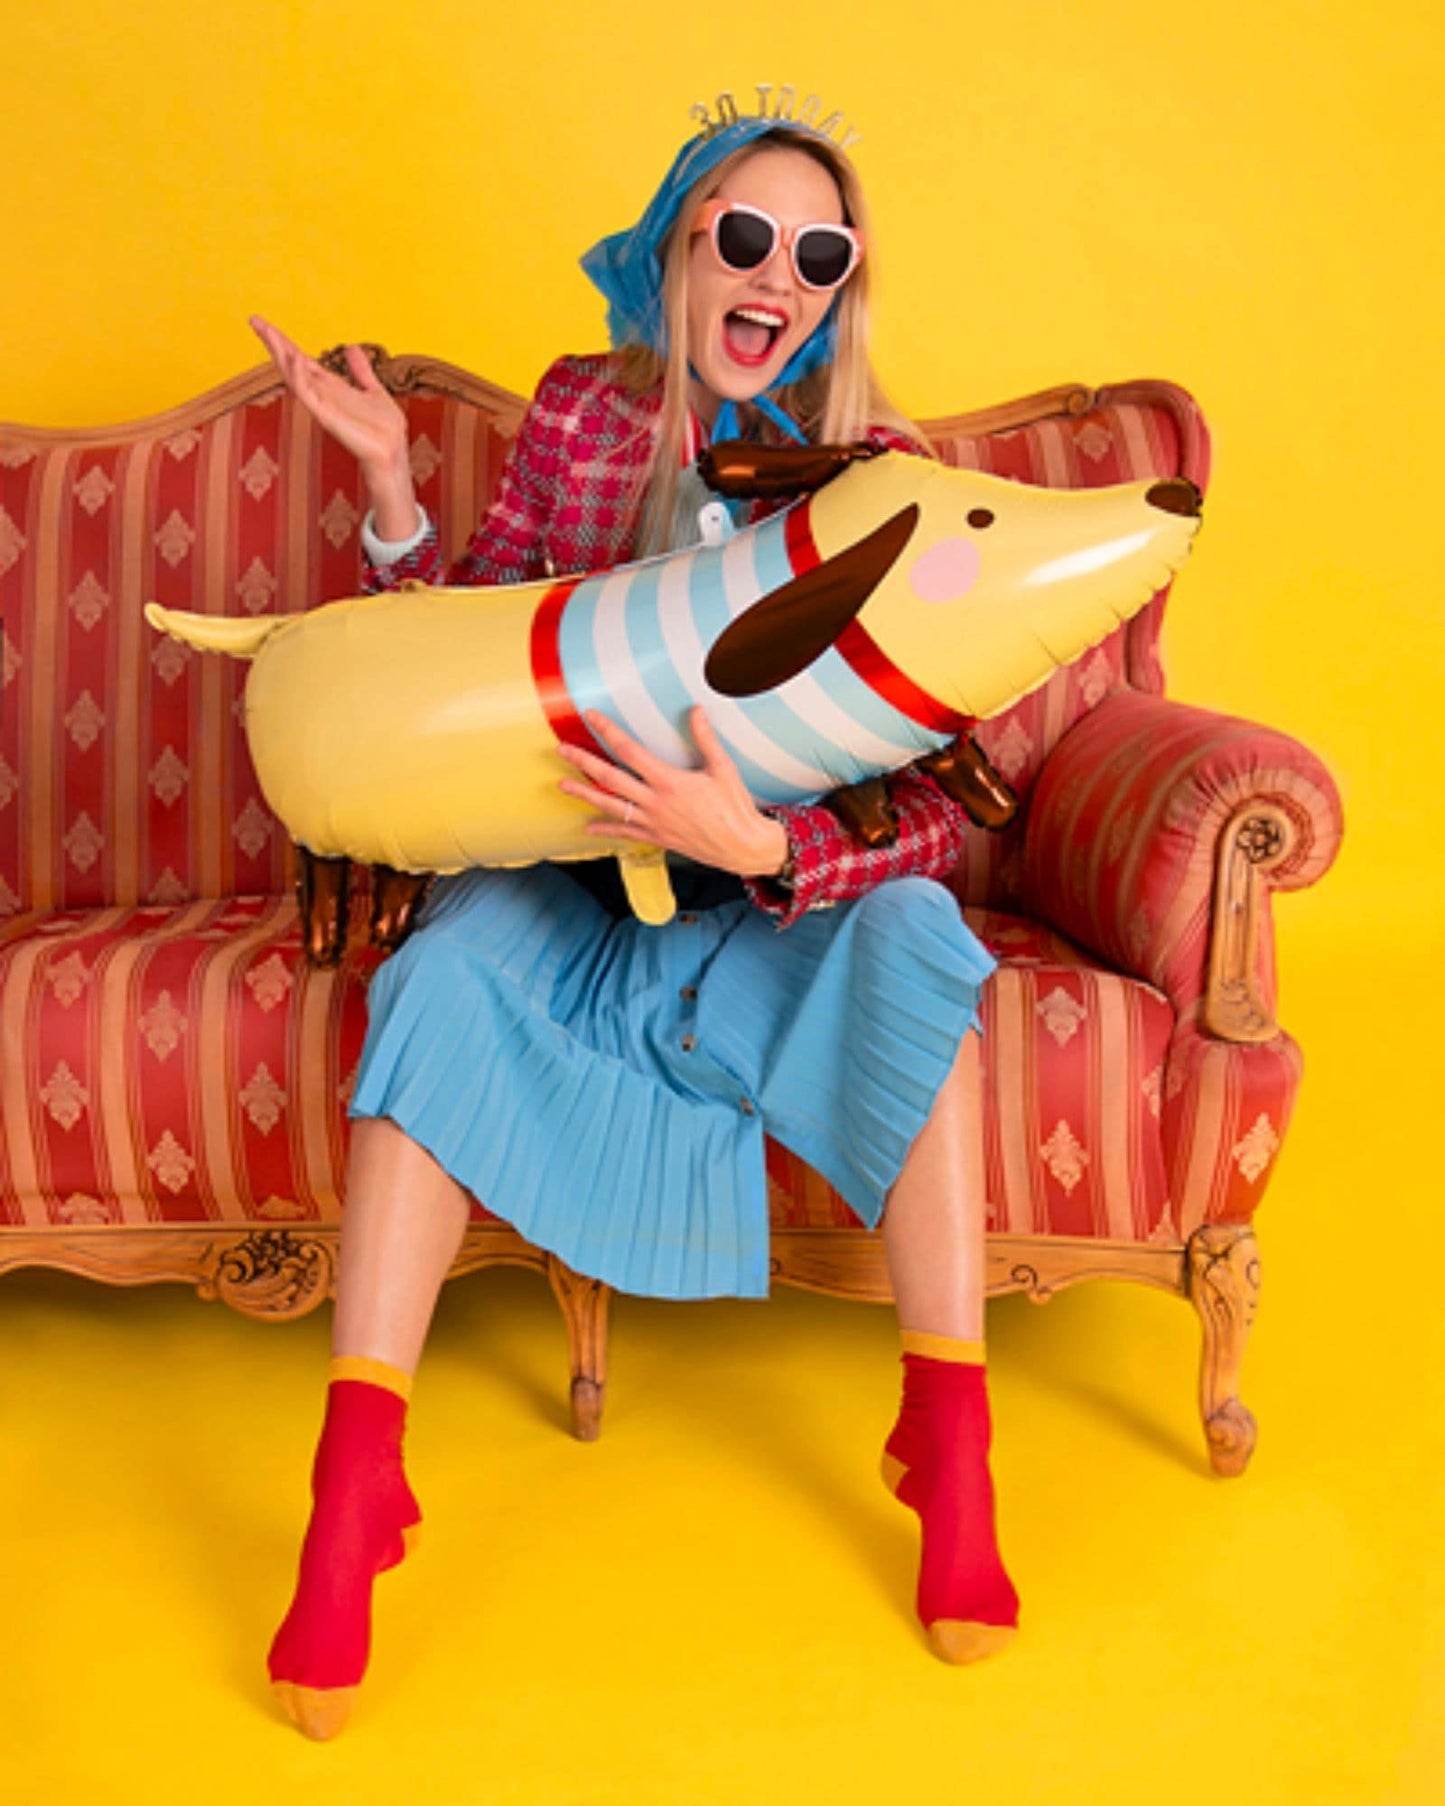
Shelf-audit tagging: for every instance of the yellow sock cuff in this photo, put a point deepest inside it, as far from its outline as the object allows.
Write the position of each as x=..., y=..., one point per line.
x=943, y=1348
x=374, y=1373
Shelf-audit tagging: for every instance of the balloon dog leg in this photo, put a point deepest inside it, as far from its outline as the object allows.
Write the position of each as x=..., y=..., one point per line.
x=963, y=772
x=866, y=811
x=395, y=898
x=323, y=888
x=648, y=887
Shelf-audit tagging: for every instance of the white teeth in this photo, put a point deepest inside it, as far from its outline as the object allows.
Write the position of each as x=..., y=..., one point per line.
x=761, y=316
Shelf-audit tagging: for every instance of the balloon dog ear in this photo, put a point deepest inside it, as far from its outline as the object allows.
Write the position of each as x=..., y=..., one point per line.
x=746, y=472
x=790, y=627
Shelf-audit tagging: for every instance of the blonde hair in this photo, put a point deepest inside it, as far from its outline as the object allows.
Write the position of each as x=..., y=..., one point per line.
x=831, y=405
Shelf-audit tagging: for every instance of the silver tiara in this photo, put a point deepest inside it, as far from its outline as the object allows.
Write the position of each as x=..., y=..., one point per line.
x=780, y=103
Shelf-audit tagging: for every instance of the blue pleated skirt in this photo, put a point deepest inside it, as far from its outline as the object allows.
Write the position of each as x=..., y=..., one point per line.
x=606, y=1087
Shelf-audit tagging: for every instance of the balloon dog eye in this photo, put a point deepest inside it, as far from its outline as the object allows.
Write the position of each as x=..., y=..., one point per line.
x=980, y=517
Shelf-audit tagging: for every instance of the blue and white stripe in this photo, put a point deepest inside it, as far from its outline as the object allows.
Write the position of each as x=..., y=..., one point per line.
x=633, y=643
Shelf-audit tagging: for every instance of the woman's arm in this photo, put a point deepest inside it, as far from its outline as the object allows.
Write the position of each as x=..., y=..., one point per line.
x=827, y=864
x=509, y=541
x=357, y=413
x=791, y=859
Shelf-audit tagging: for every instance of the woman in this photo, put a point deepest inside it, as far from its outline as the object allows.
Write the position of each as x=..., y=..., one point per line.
x=620, y=1078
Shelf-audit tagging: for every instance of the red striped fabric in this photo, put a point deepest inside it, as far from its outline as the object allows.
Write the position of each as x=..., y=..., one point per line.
x=124, y=774
x=1073, y=1069
x=175, y=1066
x=1125, y=822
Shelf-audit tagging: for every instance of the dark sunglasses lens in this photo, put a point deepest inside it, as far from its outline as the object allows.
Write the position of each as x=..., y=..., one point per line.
x=823, y=256
x=743, y=240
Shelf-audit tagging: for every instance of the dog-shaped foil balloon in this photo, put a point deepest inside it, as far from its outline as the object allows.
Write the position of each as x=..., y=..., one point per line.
x=867, y=626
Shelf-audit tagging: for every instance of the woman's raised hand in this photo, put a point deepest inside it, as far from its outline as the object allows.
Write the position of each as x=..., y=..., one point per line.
x=358, y=414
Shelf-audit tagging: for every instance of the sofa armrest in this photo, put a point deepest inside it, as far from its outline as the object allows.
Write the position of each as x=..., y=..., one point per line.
x=1156, y=836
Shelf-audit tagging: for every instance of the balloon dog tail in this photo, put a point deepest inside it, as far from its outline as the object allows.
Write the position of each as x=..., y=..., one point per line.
x=241, y=638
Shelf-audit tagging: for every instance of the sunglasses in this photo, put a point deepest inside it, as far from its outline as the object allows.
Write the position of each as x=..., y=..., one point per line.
x=744, y=238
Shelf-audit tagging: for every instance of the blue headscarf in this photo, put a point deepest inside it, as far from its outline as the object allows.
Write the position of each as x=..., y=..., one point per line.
x=627, y=267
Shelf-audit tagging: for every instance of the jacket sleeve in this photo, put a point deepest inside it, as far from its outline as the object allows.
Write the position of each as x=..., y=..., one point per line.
x=830, y=865
x=507, y=546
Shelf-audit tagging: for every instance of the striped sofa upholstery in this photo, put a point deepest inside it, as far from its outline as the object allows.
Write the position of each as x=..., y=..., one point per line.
x=166, y=1058
x=169, y=1068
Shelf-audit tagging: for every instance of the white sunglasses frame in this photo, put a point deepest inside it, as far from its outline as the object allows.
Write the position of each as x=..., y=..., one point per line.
x=711, y=213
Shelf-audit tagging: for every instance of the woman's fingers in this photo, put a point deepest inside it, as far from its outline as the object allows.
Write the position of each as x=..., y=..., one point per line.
x=607, y=779
x=357, y=411
x=615, y=819
x=617, y=816
x=715, y=757
x=301, y=373
x=269, y=336
x=705, y=814
x=362, y=373
x=306, y=373
x=287, y=356
x=624, y=803
x=627, y=751
x=619, y=828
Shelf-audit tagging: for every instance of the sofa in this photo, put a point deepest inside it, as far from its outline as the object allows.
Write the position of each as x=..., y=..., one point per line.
x=174, y=1073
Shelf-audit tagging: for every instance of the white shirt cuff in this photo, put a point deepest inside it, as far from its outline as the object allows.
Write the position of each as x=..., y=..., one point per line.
x=388, y=551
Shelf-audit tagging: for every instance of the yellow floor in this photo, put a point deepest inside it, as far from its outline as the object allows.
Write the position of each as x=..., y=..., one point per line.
x=712, y=1603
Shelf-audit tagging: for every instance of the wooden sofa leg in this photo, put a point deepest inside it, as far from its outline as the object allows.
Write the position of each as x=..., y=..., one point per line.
x=1224, y=1277
x=585, y=1305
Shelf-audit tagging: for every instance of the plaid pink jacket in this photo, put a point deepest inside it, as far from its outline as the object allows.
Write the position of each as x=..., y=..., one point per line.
x=565, y=504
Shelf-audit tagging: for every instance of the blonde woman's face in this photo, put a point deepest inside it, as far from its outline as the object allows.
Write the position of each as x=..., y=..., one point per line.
x=743, y=326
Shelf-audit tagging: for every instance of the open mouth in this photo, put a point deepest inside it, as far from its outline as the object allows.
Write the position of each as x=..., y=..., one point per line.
x=750, y=334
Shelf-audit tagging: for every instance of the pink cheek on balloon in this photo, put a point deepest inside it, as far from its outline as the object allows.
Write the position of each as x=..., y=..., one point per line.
x=945, y=571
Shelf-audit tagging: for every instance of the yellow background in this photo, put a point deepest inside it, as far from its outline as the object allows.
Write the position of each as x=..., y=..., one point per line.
x=711, y=1605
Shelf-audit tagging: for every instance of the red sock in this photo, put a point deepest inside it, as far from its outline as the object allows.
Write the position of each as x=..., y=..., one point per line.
x=363, y=1520
x=936, y=1461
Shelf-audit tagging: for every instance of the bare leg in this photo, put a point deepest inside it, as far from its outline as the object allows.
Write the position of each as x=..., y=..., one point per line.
x=400, y=1232
x=933, y=1227
x=936, y=1459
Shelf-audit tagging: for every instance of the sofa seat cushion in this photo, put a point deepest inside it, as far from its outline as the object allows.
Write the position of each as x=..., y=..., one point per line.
x=182, y=1065
x=172, y=1065
x=1074, y=1059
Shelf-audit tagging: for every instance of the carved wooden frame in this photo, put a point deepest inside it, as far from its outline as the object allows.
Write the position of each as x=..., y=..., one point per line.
x=1256, y=841
x=401, y=376
x=275, y=1274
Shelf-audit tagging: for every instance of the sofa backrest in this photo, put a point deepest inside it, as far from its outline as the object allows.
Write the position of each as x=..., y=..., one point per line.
x=124, y=774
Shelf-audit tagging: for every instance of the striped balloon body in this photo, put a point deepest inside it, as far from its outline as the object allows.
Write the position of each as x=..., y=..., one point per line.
x=633, y=643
